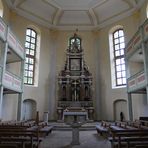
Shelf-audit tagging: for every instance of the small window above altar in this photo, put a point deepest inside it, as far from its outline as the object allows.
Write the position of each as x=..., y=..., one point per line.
x=75, y=43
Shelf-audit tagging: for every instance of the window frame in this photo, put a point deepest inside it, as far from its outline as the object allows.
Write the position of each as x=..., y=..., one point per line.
x=75, y=37
x=29, y=56
x=119, y=57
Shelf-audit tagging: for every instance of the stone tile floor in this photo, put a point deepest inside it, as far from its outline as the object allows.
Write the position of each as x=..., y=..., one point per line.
x=62, y=139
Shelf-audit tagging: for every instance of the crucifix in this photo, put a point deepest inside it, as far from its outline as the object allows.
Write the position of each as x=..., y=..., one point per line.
x=75, y=90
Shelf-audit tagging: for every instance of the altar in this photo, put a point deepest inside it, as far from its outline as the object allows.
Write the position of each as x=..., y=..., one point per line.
x=75, y=116
x=75, y=82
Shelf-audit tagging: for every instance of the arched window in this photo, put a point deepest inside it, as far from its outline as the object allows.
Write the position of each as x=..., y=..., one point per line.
x=117, y=46
x=76, y=39
x=30, y=45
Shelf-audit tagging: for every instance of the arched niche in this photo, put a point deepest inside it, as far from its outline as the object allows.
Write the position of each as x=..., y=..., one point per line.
x=29, y=109
x=120, y=105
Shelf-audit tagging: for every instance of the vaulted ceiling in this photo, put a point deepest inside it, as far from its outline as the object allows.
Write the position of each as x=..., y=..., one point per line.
x=72, y=14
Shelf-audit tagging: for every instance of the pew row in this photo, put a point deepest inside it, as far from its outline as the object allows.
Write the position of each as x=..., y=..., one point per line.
x=22, y=135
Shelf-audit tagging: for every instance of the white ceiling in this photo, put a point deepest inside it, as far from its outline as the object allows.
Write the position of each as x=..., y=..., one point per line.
x=72, y=14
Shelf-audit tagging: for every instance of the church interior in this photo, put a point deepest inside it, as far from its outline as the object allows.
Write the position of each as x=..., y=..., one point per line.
x=74, y=71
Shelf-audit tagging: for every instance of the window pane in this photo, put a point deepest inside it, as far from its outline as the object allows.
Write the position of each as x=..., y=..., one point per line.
x=122, y=45
x=27, y=45
x=27, y=60
x=27, y=51
x=119, y=81
x=121, y=39
x=32, y=40
x=119, y=68
x=123, y=74
x=28, y=32
x=31, y=52
x=78, y=41
x=31, y=61
x=117, y=53
x=29, y=80
x=121, y=33
x=25, y=73
x=28, y=38
x=116, y=47
x=116, y=41
x=122, y=61
x=25, y=80
x=116, y=35
x=122, y=52
x=118, y=62
x=33, y=34
x=72, y=40
x=118, y=74
x=124, y=80
x=30, y=74
x=32, y=46
x=31, y=67
x=123, y=67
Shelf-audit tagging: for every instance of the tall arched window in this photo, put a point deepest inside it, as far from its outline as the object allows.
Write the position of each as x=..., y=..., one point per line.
x=30, y=45
x=117, y=46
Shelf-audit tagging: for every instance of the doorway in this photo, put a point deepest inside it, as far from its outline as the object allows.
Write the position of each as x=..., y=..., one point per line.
x=120, y=106
x=29, y=109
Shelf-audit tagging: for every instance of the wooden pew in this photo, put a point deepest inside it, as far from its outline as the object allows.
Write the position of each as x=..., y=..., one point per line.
x=20, y=136
x=103, y=128
x=128, y=137
x=24, y=134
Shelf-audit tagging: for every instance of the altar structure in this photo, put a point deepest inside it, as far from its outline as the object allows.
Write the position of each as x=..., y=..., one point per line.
x=75, y=81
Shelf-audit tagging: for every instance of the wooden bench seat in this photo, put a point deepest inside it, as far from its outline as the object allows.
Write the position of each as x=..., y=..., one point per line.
x=130, y=137
x=20, y=136
x=103, y=128
x=128, y=141
x=45, y=130
x=23, y=134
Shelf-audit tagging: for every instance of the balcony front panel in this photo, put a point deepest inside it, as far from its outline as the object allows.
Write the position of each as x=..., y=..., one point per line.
x=12, y=82
x=20, y=50
x=134, y=43
x=137, y=82
x=15, y=45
